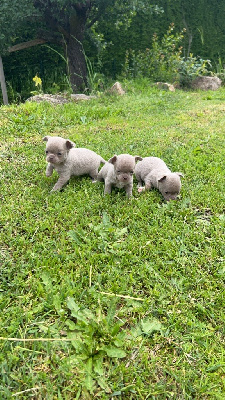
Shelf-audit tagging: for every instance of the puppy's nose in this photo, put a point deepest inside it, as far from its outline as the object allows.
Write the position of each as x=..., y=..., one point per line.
x=124, y=177
x=51, y=157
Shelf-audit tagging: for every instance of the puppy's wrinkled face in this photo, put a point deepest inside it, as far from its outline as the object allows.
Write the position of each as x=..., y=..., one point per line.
x=57, y=149
x=170, y=185
x=124, y=166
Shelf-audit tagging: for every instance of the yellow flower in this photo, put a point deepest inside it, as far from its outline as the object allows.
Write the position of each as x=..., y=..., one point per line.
x=37, y=80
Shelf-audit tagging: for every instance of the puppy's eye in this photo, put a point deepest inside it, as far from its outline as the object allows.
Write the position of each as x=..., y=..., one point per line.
x=46, y=152
x=131, y=172
x=118, y=172
x=166, y=192
x=59, y=154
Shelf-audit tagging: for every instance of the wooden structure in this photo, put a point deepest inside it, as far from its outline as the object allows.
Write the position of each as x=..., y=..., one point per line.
x=3, y=85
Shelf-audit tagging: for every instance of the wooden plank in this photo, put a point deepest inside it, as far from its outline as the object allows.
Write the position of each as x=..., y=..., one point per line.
x=3, y=84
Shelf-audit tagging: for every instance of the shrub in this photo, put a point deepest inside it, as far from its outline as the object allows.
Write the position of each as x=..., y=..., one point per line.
x=164, y=61
x=191, y=67
x=161, y=62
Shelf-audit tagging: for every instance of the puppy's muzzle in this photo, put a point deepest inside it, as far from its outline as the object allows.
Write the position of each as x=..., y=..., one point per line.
x=125, y=177
x=50, y=158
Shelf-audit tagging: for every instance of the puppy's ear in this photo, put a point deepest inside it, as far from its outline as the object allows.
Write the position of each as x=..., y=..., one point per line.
x=69, y=144
x=162, y=178
x=138, y=158
x=45, y=139
x=180, y=174
x=113, y=159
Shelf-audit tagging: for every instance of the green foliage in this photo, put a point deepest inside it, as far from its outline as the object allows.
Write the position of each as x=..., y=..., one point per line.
x=127, y=27
x=96, y=339
x=130, y=28
x=191, y=67
x=96, y=82
x=20, y=68
x=12, y=17
x=59, y=21
x=158, y=63
x=220, y=70
x=203, y=22
x=164, y=61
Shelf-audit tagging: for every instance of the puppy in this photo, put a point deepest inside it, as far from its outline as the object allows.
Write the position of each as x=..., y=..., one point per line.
x=118, y=171
x=154, y=173
x=67, y=160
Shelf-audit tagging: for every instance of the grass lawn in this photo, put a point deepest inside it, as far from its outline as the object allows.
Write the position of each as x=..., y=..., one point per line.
x=105, y=297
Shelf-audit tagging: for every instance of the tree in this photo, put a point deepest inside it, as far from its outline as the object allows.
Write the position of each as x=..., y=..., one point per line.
x=63, y=22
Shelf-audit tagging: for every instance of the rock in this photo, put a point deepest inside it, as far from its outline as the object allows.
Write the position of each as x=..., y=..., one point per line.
x=117, y=89
x=206, y=83
x=78, y=97
x=50, y=98
x=165, y=86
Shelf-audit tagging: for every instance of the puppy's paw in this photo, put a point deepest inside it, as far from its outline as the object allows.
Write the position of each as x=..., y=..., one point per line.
x=56, y=189
x=141, y=189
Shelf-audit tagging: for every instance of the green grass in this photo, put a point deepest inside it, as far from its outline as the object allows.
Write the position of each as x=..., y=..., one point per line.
x=63, y=254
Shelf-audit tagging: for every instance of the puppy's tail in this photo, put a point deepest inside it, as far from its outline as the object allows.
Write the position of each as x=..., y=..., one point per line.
x=102, y=161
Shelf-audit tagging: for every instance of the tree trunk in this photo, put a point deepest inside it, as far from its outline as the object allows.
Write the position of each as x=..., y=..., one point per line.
x=74, y=48
x=68, y=25
x=77, y=68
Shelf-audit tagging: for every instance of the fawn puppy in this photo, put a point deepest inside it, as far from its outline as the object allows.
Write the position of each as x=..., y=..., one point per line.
x=154, y=173
x=67, y=160
x=118, y=172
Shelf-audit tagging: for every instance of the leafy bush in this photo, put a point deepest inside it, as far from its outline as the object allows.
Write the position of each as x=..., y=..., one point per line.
x=161, y=62
x=164, y=61
x=191, y=67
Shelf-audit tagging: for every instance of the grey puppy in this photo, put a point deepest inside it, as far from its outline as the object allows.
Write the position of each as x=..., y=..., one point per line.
x=118, y=171
x=154, y=173
x=67, y=160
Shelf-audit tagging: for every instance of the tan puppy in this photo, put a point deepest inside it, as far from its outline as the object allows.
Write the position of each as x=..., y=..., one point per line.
x=67, y=160
x=155, y=173
x=118, y=171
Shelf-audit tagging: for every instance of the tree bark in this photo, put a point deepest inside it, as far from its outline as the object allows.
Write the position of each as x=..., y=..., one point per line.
x=76, y=60
x=26, y=45
x=69, y=27
x=74, y=49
